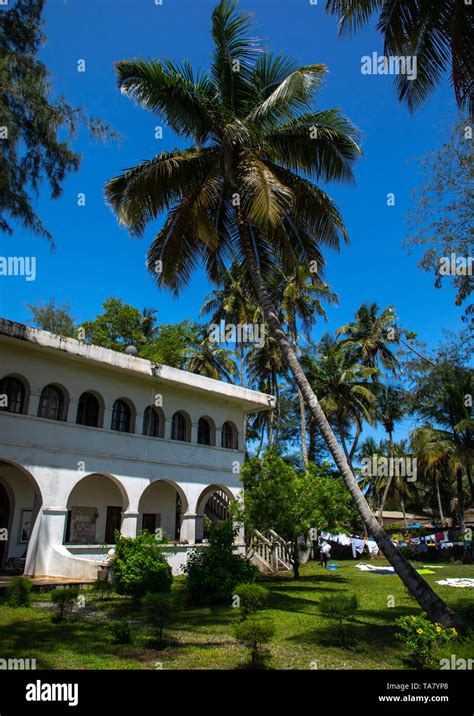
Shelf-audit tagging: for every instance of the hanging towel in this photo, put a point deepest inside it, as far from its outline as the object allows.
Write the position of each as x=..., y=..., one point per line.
x=344, y=540
x=372, y=546
x=357, y=546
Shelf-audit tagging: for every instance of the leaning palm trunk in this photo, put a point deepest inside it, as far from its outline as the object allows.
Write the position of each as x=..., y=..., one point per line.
x=427, y=598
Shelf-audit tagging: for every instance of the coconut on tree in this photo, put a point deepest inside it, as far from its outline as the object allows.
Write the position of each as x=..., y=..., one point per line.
x=247, y=190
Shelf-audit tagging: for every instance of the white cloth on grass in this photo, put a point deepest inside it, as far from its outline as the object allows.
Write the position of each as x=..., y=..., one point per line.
x=456, y=582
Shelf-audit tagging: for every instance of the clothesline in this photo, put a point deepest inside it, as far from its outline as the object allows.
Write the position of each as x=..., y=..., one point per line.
x=358, y=545
x=439, y=540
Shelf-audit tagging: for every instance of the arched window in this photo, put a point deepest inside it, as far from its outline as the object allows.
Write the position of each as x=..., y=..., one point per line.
x=121, y=416
x=88, y=410
x=179, y=427
x=229, y=437
x=14, y=389
x=51, y=404
x=151, y=422
x=204, y=432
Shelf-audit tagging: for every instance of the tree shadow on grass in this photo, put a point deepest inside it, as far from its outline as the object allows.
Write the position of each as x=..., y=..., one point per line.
x=360, y=638
x=304, y=580
x=40, y=637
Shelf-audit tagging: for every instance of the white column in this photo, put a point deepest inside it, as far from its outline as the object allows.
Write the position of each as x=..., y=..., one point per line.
x=72, y=411
x=167, y=430
x=51, y=532
x=192, y=528
x=33, y=403
x=129, y=524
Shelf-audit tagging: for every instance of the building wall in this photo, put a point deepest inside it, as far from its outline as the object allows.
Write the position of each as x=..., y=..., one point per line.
x=54, y=457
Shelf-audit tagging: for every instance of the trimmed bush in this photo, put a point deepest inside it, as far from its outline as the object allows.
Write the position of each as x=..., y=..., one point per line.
x=253, y=633
x=19, y=592
x=102, y=587
x=120, y=631
x=213, y=572
x=65, y=600
x=340, y=608
x=160, y=610
x=139, y=566
x=252, y=598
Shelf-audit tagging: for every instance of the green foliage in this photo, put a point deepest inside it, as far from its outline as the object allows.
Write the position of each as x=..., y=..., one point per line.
x=139, y=566
x=52, y=318
x=120, y=631
x=171, y=343
x=423, y=638
x=159, y=610
x=253, y=633
x=312, y=498
x=40, y=128
x=340, y=609
x=440, y=225
x=65, y=600
x=120, y=325
x=213, y=572
x=19, y=592
x=252, y=598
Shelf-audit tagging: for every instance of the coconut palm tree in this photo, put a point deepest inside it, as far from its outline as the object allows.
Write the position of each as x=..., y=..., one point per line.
x=390, y=406
x=343, y=388
x=433, y=467
x=369, y=450
x=442, y=398
x=439, y=34
x=441, y=448
x=209, y=359
x=233, y=305
x=265, y=366
x=246, y=191
x=368, y=336
x=301, y=299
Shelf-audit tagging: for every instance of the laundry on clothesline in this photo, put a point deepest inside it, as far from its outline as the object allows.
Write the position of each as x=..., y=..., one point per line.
x=461, y=582
x=356, y=543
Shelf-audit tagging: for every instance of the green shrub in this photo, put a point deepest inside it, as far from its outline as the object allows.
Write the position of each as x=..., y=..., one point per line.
x=340, y=609
x=19, y=592
x=213, y=572
x=252, y=598
x=120, y=631
x=102, y=587
x=253, y=633
x=65, y=600
x=159, y=610
x=139, y=566
x=424, y=638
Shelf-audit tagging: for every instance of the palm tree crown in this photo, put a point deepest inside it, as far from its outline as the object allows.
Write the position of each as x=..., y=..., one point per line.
x=257, y=141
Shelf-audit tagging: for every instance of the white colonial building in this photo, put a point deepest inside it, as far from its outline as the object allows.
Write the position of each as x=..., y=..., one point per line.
x=92, y=440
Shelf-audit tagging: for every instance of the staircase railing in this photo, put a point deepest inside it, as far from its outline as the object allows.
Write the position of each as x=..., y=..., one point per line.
x=269, y=552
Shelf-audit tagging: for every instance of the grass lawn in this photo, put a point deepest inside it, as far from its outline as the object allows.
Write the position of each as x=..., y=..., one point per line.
x=201, y=638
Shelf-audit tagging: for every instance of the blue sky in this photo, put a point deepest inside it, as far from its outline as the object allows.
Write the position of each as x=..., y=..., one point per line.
x=95, y=258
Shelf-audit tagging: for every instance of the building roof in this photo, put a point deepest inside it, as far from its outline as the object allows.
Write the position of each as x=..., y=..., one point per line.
x=78, y=350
